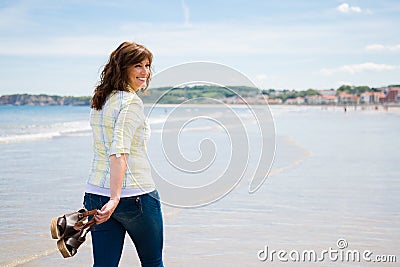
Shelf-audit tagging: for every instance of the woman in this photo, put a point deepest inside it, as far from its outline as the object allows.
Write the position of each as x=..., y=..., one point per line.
x=120, y=186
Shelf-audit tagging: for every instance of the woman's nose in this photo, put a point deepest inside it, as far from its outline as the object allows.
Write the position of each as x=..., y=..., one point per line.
x=145, y=70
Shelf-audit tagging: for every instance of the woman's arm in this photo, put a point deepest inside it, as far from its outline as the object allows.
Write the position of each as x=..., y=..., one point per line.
x=117, y=174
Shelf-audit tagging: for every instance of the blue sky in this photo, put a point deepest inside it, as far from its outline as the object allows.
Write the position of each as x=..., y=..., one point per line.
x=59, y=47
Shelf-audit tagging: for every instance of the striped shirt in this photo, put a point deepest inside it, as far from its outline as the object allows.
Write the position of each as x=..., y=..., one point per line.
x=120, y=127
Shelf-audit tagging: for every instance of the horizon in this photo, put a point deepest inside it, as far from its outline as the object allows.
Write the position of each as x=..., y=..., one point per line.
x=59, y=47
x=279, y=90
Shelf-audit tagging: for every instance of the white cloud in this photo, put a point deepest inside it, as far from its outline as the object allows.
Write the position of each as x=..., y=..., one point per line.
x=357, y=68
x=381, y=47
x=375, y=47
x=186, y=12
x=394, y=48
x=68, y=45
x=346, y=8
x=197, y=40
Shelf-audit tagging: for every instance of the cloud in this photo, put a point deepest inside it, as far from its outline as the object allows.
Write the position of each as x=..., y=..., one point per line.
x=67, y=45
x=381, y=47
x=186, y=12
x=357, y=68
x=346, y=8
x=198, y=40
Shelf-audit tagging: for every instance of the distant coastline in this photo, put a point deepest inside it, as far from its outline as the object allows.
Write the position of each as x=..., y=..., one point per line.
x=205, y=94
x=43, y=100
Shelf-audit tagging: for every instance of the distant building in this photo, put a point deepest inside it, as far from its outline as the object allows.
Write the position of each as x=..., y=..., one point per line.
x=275, y=101
x=345, y=98
x=295, y=101
x=367, y=98
x=379, y=97
x=290, y=101
x=392, y=94
x=372, y=98
x=329, y=99
x=384, y=90
x=257, y=99
x=313, y=99
x=321, y=99
x=300, y=100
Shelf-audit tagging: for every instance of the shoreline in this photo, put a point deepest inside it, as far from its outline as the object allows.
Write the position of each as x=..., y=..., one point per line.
x=392, y=108
x=277, y=105
x=378, y=108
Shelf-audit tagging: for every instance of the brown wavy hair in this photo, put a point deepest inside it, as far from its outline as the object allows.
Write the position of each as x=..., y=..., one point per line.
x=114, y=75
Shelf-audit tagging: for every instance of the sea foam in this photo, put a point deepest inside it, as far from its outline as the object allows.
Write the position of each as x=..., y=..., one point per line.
x=30, y=133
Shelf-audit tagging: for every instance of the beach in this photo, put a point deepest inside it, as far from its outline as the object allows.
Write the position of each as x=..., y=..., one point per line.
x=334, y=177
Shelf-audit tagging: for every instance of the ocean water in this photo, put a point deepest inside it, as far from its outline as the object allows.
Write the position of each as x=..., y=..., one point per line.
x=32, y=123
x=334, y=176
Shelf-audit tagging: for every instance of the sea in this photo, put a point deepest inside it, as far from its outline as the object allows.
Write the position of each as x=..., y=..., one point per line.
x=331, y=197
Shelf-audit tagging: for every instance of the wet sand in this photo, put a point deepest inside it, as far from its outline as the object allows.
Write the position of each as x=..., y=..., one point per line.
x=335, y=176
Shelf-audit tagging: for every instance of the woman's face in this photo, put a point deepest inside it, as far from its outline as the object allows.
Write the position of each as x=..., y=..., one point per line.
x=138, y=74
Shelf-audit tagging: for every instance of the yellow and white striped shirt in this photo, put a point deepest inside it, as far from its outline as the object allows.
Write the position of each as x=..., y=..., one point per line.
x=120, y=127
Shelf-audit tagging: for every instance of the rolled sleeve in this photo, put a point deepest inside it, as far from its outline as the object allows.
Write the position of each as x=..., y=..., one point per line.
x=126, y=124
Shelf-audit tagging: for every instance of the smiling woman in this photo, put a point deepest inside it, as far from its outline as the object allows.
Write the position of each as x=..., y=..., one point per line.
x=120, y=186
x=128, y=69
x=138, y=75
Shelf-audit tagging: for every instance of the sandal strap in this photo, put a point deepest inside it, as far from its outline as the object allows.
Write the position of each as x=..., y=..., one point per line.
x=80, y=225
x=83, y=213
x=89, y=223
x=90, y=213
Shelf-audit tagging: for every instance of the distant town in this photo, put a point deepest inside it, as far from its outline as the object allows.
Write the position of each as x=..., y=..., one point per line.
x=344, y=95
x=200, y=94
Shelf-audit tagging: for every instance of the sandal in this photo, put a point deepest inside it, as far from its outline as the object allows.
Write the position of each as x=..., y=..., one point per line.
x=69, y=224
x=68, y=245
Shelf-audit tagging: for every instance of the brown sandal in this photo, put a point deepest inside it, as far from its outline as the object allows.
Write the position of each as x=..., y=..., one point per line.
x=68, y=245
x=69, y=224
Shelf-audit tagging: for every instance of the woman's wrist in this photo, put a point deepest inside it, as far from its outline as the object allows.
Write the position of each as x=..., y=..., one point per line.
x=115, y=198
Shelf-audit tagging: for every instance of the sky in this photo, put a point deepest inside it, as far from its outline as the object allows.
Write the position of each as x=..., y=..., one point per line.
x=59, y=47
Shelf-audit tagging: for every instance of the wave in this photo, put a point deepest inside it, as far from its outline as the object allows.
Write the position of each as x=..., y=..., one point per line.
x=43, y=132
x=30, y=132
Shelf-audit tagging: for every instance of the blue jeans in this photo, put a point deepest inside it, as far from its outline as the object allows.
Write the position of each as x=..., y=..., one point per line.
x=141, y=217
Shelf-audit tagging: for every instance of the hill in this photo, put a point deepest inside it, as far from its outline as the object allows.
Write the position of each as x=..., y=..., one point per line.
x=43, y=100
x=163, y=95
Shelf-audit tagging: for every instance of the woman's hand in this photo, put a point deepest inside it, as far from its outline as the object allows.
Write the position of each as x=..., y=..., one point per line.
x=117, y=173
x=106, y=211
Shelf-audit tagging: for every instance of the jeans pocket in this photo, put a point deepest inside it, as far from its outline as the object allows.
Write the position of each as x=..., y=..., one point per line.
x=128, y=208
x=151, y=202
x=156, y=198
